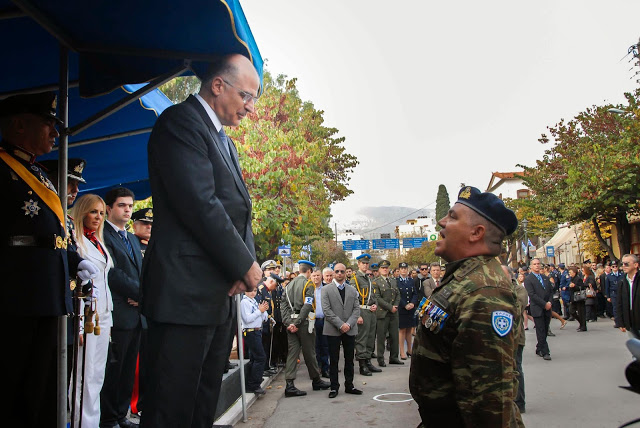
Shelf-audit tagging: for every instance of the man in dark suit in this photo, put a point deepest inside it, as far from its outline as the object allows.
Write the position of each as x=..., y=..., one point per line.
x=201, y=252
x=628, y=296
x=540, y=292
x=124, y=282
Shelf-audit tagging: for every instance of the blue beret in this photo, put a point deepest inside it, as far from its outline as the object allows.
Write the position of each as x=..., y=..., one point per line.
x=374, y=266
x=364, y=258
x=490, y=207
x=306, y=262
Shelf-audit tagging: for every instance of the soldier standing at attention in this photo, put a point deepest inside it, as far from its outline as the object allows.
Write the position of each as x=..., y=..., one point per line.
x=366, y=337
x=387, y=296
x=463, y=368
x=298, y=313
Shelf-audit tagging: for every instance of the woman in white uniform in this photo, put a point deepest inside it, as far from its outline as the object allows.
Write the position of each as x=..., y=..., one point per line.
x=88, y=215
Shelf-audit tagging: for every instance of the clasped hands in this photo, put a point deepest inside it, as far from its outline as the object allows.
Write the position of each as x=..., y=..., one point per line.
x=248, y=282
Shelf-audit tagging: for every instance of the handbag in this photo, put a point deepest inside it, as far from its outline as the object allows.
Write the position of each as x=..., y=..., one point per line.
x=590, y=293
x=580, y=296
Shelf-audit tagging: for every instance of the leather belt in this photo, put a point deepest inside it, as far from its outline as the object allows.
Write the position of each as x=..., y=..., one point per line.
x=53, y=242
x=247, y=330
x=365, y=307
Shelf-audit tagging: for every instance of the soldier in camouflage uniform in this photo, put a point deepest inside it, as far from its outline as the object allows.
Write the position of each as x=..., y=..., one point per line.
x=366, y=338
x=385, y=290
x=298, y=303
x=463, y=368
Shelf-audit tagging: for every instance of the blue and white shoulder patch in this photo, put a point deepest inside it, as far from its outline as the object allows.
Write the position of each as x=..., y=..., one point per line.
x=308, y=300
x=502, y=322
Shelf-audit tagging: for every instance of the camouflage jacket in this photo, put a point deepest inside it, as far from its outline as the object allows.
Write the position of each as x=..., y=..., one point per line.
x=463, y=370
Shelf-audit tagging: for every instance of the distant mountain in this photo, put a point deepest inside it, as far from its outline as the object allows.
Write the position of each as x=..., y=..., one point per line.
x=370, y=222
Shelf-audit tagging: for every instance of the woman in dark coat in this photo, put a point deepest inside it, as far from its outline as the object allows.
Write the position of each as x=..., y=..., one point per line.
x=590, y=285
x=406, y=311
x=576, y=308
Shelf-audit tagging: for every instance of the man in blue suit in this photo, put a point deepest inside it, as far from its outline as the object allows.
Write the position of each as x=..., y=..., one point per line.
x=124, y=282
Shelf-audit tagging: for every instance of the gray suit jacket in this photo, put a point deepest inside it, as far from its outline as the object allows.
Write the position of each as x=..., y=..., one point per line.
x=337, y=313
x=202, y=239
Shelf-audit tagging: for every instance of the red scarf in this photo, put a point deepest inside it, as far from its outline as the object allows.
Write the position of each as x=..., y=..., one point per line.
x=91, y=236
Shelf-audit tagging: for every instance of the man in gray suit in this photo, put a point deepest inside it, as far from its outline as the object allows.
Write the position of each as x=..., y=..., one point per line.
x=202, y=250
x=341, y=312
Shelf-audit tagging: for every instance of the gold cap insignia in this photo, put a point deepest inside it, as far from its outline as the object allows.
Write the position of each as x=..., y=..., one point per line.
x=79, y=168
x=149, y=214
x=466, y=193
x=54, y=103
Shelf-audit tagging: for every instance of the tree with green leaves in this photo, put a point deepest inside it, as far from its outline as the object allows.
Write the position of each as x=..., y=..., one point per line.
x=442, y=204
x=592, y=172
x=295, y=167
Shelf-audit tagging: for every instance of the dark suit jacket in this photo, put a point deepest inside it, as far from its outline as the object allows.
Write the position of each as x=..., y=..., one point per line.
x=202, y=239
x=124, y=278
x=538, y=296
x=625, y=317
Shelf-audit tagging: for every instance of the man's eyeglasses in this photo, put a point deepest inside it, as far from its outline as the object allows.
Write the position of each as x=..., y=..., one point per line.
x=246, y=96
x=627, y=264
x=424, y=268
x=369, y=274
x=338, y=271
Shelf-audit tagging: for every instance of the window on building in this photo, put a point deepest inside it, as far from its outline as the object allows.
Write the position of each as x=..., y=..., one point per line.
x=523, y=193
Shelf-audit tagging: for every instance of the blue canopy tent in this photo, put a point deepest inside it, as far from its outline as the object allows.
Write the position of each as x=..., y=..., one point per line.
x=100, y=46
x=115, y=148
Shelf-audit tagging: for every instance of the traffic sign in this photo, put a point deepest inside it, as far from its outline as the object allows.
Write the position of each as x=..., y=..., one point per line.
x=360, y=244
x=386, y=244
x=551, y=251
x=284, y=251
x=413, y=242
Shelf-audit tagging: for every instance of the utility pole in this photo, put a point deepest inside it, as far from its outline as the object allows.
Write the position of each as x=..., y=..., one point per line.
x=526, y=240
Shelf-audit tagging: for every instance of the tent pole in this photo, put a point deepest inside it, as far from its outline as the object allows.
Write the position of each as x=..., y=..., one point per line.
x=62, y=191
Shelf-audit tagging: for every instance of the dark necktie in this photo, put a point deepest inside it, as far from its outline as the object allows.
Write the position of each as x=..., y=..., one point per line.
x=541, y=281
x=123, y=235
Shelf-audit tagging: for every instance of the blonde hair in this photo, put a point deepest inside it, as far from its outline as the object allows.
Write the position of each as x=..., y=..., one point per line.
x=80, y=209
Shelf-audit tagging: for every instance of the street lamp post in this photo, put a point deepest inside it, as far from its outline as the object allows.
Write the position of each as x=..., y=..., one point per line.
x=526, y=241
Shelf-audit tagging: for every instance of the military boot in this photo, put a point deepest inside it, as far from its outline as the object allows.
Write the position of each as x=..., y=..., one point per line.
x=319, y=384
x=364, y=370
x=371, y=367
x=291, y=390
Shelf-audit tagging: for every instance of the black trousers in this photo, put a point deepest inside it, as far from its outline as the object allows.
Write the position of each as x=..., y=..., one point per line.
x=578, y=311
x=185, y=369
x=280, y=347
x=266, y=344
x=255, y=368
x=348, y=346
x=30, y=375
x=542, y=328
x=322, y=346
x=119, y=376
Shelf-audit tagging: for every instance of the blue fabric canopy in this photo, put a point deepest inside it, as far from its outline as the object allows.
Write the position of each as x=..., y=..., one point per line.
x=116, y=42
x=116, y=160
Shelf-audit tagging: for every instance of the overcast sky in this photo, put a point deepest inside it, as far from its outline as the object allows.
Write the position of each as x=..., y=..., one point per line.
x=430, y=93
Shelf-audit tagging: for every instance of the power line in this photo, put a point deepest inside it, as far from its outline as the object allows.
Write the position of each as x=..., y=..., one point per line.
x=394, y=221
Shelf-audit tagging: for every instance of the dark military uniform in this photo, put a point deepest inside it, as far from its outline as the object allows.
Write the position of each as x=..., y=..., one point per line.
x=463, y=367
x=279, y=347
x=387, y=295
x=35, y=265
x=264, y=295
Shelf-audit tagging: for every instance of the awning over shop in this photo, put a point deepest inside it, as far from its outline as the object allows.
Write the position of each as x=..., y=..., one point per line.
x=564, y=234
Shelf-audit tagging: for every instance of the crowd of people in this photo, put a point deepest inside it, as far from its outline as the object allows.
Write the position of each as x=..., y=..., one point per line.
x=162, y=304
x=302, y=311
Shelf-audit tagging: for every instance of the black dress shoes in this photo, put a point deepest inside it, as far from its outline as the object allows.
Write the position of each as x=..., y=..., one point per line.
x=353, y=391
x=333, y=393
x=396, y=361
x=325, y=374
x=319, y=384
x=381, y=363
x=547, y=357
x=126, y=423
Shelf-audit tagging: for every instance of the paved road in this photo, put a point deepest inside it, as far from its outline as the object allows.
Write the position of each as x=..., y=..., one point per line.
x=578, y=388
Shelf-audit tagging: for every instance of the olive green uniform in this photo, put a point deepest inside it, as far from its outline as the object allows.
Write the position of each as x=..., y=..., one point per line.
x=463, y=368
x=366, y=338
x=387, y=295
x=302, y=303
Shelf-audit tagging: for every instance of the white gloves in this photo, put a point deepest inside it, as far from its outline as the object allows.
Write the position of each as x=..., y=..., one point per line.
x=87, y=271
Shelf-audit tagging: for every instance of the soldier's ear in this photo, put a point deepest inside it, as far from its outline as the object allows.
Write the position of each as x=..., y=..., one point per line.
x=477, y=233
